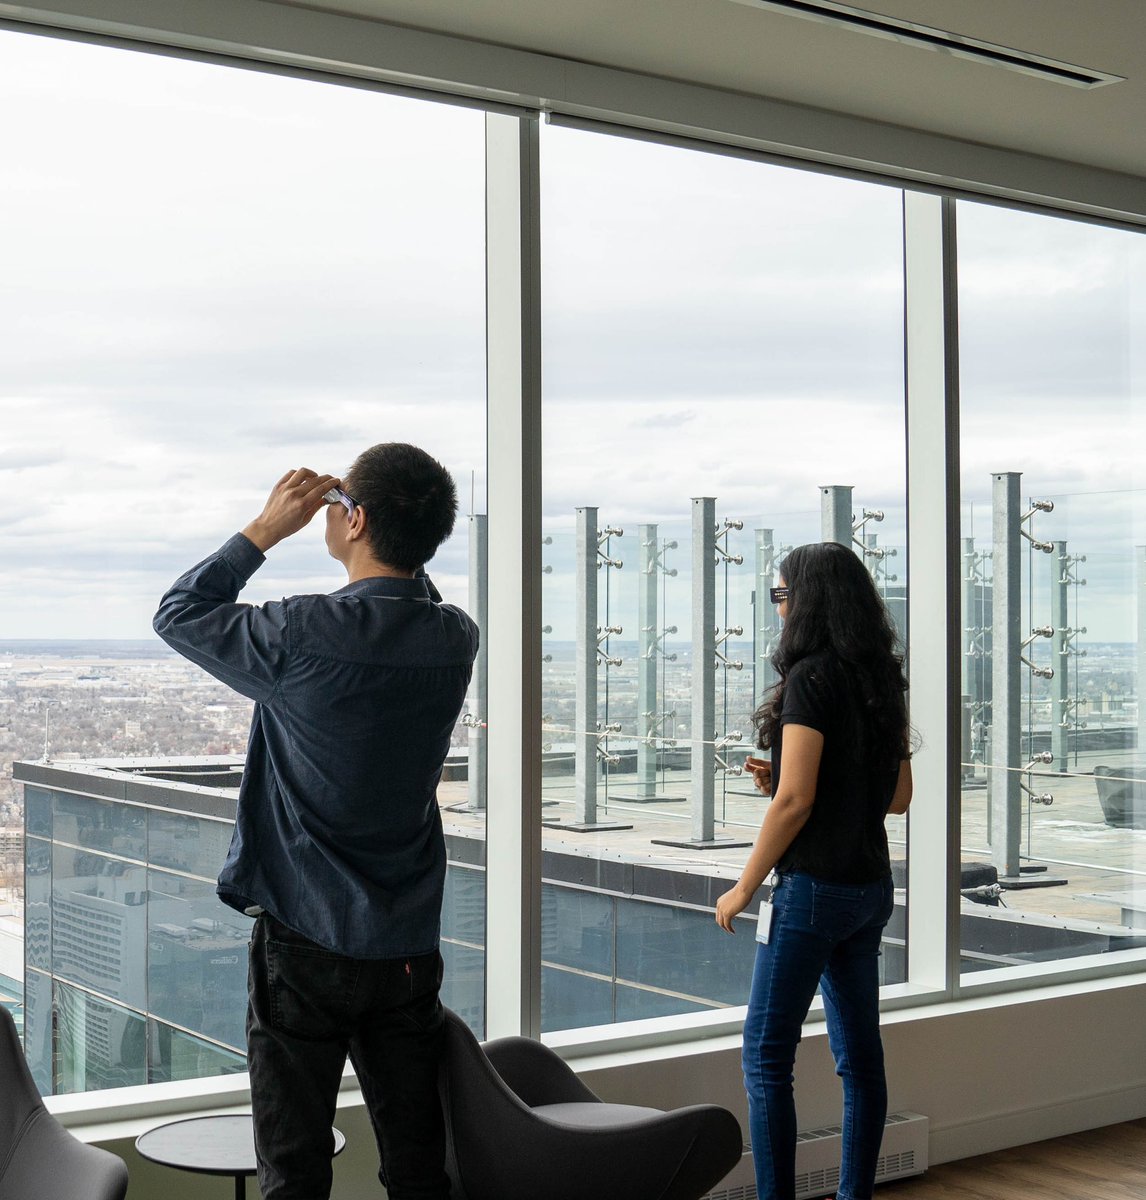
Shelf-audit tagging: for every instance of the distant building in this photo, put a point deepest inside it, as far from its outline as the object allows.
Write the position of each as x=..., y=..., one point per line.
x=135, y=971
x=12, y=961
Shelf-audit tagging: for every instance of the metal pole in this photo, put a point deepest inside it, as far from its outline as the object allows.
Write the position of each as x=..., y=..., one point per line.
x=871, y=559
x=1060, y=650
x=836, y=514
x=47, y=749
x=971, y=675
x=1140, y=682
x=648, y=650
x=971, y=628
x=766, y=622
x=702, y=740
x=1004, y=793
x=585, y=723
x=477, y=772
x=703, y=759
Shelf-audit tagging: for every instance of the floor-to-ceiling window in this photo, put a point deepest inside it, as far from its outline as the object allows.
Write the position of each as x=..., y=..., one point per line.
x=723, y=380
x=1052, y=325
x=211, y=276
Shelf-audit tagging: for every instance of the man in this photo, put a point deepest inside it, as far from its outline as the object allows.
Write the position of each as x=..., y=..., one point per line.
x=338, y=849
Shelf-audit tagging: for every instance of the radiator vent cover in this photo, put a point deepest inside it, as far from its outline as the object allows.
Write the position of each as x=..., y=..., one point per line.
x=903, y=1152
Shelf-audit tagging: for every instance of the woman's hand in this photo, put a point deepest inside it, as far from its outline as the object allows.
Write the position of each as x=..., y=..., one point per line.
x=734, y=901
x=761, y=771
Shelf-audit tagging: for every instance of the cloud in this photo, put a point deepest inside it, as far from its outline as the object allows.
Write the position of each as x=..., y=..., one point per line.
x=221, y=274
x=13, y=460
x=663, y=420
x=293, y=435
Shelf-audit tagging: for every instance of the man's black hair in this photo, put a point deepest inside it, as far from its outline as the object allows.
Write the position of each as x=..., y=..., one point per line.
x=410, y=501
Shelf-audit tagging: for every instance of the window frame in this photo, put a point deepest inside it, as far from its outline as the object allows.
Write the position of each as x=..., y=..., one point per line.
x=514, y=468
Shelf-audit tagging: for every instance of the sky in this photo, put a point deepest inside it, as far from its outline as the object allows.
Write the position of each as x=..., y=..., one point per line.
x=213, y=275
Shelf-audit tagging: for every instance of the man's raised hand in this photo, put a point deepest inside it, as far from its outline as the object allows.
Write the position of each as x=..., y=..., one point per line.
x=292, y=503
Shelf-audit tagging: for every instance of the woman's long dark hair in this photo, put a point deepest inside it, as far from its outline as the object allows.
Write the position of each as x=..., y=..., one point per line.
x=833, y=606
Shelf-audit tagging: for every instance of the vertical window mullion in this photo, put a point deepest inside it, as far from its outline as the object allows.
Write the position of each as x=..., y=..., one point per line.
x=931, y=345
x=513, y=367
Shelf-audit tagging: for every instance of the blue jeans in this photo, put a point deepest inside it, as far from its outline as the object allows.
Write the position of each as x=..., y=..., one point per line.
x=308, y=1009
x=826, y=934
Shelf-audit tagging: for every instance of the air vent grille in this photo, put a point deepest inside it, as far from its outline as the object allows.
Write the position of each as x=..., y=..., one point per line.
x=904, y=1152
x=877, y=25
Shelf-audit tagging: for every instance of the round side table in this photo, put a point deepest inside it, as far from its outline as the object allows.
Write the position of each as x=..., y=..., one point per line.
x=210, y=1146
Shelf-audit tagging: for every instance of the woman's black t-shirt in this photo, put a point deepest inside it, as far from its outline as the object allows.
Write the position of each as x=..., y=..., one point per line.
x=844, y=840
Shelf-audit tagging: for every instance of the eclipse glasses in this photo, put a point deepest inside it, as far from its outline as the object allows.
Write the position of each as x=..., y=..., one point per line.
x=337, y=496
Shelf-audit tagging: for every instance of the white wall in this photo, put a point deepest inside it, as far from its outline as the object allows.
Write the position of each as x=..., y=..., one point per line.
x=1017, y=1070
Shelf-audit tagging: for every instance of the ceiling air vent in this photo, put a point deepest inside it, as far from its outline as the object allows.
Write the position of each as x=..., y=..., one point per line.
x=861, y=21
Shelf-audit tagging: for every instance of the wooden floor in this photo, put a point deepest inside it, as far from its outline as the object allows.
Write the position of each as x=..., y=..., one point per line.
x=1102, y=1164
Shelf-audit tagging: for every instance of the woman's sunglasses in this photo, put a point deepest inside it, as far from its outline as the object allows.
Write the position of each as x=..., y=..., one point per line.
x=778, y=594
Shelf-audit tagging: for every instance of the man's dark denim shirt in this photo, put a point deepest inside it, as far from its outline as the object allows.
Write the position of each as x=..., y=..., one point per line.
x=338, y=833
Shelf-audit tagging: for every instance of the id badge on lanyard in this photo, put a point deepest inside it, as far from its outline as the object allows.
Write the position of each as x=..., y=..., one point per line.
x=764, y=920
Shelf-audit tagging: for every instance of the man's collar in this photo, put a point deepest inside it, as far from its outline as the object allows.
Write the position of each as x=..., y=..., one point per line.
x=387, y=585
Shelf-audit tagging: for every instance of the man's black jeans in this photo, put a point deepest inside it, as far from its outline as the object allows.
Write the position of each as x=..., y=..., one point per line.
x=309, y=1008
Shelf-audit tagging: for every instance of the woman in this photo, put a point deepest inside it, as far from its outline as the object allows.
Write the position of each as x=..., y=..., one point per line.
x=837, y=726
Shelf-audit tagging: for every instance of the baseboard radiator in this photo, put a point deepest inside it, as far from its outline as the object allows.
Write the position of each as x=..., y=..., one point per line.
x=903, y=1152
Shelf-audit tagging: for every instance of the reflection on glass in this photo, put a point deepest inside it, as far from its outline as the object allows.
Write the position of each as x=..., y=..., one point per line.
x=570, y=1000
x=37, y=811
x=99, y=1045
x=463, y=944
x=696, y=428
x=463, y=905
x=463, y=983
x=671, y=951
x=119, y=829
x=173, y=1055
x=185, y=843
x=37, y=903
x=578, y=930
x=38, y=1029
x=99, y=923
x=197, y=958
x=1052, y=331
x=638, y=1004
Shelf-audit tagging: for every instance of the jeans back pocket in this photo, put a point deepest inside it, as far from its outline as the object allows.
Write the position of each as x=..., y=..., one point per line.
x=837, y=909
x=311, y=989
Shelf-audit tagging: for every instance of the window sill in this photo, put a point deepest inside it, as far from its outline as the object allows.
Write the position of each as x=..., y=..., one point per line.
x=124, y=1113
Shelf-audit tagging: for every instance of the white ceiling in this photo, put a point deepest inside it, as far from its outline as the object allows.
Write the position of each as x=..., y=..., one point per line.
x=731, y=45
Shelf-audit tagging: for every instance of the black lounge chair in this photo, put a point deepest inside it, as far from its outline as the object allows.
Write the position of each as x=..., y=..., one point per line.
x=39, y=1158
x=520, y=1125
